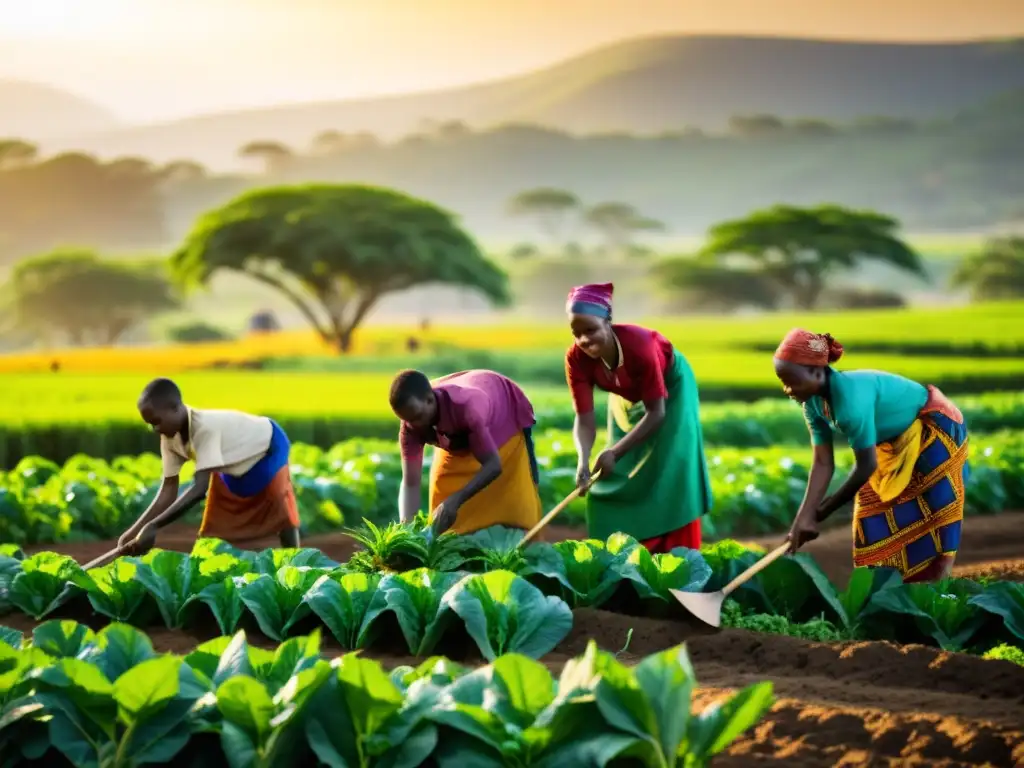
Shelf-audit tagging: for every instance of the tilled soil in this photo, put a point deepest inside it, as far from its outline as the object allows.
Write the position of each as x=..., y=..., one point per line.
x=857, y=704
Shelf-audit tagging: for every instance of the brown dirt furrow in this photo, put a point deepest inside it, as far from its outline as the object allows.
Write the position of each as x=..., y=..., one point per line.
x=1000, y=570
x=799, y=733
x=849, y=705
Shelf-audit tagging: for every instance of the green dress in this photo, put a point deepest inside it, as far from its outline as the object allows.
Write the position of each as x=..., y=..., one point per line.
x=662, y=485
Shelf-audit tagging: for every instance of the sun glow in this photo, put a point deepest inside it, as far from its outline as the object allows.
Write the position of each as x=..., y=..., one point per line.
x=72, y=19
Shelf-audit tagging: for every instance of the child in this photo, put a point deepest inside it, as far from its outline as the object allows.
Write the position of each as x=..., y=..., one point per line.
x=484, y=470
x=241, y=470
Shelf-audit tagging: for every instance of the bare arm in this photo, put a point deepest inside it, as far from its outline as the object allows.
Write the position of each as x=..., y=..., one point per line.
x=195, y=493
x=822, y=469
x=584, y=434
x=409, y=492
x=866, y=463
x=490, y=470
x=652, y=419
x=165, y=496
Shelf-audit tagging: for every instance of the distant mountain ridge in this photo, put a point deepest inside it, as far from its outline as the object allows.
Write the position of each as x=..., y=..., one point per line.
x=646, y=85
x=38, y=111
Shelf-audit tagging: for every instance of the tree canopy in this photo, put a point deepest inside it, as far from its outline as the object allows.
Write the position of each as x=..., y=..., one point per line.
x=75, y=198
x=86, y=298
x=335, y=250
x=996, y=272
x=550, y=207
x=790, y=252
x=618, y=224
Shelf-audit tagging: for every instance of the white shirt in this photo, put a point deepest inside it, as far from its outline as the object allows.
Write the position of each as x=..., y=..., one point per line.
x=231, y=442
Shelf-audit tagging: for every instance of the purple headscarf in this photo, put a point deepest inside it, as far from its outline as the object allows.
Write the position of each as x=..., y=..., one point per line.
x=594, y=299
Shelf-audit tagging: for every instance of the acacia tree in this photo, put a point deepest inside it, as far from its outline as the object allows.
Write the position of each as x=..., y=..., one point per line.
x=182, y=172
x=550, y=207
x=704, y=285
x=618, y=224
x=334, y=250
x=76, y=293
x=273, y=154
x=797, y=249
x=995, y=272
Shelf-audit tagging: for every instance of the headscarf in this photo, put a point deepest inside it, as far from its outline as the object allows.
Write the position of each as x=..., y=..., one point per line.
x=806, y=348
x=594, y=299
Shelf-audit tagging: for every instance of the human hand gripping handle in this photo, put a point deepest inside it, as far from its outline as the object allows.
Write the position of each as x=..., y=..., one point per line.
x=129, y=545
x=591, y=478
x=585, y=477
x=803, y=530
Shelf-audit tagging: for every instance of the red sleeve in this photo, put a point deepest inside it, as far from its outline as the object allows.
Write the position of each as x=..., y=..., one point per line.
x=475, y=413
x=650, y=371
x=581, y=384
x=411, y=447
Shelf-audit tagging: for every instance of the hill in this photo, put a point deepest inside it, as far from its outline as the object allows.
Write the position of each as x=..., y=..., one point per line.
x=36, y=111
x=643, y=86
x=962, y=173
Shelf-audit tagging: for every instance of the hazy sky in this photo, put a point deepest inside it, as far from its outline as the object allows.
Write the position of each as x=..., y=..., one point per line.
x=157, y=59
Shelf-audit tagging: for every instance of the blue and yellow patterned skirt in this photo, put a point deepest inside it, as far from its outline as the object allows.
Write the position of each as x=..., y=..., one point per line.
x=923, y=523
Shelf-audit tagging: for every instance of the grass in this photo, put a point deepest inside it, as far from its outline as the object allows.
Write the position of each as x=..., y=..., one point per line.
x=103, y=398
x=38, y=398
x=983, y=329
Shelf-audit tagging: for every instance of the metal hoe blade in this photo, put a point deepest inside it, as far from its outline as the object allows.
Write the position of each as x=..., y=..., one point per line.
x=706, y=606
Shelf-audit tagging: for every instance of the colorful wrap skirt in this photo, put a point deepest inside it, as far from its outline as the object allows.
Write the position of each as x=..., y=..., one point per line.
x=910, y=512
x=512, y=499
x=257, y=504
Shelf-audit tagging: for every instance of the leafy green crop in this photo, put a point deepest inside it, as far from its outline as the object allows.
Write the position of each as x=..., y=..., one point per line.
x=1006, y=652
x=107, y=700
x=756, y=492
x=287, y=591
x=943, y=612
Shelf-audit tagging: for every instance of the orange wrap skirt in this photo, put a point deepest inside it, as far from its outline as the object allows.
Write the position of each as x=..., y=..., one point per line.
x=512, y=499
x=260, y=503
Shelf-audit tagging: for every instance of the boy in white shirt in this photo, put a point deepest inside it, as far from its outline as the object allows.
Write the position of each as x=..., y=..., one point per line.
x=241, y=469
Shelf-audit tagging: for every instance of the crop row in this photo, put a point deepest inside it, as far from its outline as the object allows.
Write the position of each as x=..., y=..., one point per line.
x=755, y=491
x=60, y=416
x=72, y=697
x=508, y=599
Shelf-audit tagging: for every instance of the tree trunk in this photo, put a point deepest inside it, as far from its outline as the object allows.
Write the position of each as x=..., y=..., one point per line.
x=807, y=292
x=344, y=332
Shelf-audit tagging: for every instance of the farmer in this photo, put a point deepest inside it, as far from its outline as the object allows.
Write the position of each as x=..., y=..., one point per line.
x=241, y=470
x=484, y=470
x=653, y=482
x=910, y=447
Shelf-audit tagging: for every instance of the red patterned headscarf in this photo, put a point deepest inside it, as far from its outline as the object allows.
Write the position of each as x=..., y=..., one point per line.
x=594, y=299
x=806, y=348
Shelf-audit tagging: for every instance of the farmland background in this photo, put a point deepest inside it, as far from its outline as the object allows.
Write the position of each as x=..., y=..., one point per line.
x=893, y=208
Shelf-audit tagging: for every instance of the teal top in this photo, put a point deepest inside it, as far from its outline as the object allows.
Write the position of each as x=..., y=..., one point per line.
x=868, y=407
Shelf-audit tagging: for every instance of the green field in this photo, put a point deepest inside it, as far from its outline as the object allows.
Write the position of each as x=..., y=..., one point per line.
x=103, y=398
x=968, y=350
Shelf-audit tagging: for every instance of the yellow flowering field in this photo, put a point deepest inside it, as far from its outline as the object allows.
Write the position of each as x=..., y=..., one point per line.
x=993, y=326
x=65, y=396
